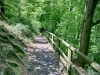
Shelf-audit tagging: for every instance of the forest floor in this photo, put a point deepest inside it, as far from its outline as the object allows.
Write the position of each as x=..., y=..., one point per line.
x=41, y=58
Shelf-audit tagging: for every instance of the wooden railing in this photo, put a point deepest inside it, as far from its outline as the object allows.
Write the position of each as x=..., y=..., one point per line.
x=68, y=58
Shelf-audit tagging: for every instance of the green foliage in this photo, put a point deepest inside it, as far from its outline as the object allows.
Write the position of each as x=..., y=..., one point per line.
x=62, y=17
x=90, y=71
x=23, y=31
x=11, y=52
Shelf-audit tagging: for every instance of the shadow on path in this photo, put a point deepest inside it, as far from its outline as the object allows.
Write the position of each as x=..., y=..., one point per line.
x=42, y=59
x=40, y=40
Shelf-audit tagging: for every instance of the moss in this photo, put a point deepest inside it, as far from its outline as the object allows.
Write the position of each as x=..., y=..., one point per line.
x=12, y=50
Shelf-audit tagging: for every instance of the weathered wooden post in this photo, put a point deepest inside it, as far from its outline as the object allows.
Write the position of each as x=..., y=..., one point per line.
x=70, y=58
x=1, y=8
x=52, y=37
x=59, y=47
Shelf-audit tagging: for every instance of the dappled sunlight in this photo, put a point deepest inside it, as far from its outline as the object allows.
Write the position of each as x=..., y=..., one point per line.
x=40, y=40
x=41, y=58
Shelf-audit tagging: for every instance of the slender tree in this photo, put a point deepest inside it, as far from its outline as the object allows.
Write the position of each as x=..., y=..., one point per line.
x=1, y=7
x=86, y=27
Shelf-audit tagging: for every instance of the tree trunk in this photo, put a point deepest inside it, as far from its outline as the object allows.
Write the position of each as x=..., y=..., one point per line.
x=86, y=28
x=1, y=8
x=19, y=10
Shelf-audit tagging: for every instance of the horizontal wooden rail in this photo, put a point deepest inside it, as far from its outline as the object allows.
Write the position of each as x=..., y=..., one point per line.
x=95, y=65
x=66, y=58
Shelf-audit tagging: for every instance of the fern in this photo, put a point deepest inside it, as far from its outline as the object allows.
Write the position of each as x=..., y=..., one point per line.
x=11, y=51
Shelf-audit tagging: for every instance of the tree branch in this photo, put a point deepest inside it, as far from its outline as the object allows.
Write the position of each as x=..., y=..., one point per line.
x=97, y=22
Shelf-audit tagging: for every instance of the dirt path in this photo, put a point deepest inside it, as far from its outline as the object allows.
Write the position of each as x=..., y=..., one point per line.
x=41, y=58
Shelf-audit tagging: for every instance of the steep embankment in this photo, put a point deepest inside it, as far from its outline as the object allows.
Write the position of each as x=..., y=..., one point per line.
x=11, y=50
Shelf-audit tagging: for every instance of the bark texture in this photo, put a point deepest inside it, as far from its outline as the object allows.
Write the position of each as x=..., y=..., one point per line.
x=86, y=27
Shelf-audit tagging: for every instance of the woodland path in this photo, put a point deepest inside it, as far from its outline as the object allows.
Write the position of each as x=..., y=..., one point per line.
x=41, y=58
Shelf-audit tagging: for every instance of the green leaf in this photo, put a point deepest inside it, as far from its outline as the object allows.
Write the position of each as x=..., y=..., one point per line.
x=18, y=50
x=13, y=64
x=13, y=57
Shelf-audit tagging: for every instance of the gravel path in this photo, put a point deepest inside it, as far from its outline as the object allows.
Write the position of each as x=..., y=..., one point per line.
x=41, y=58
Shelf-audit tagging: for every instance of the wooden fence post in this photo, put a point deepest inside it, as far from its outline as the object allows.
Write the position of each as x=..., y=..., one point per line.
x=52, y=40
x=58, y=50
x=70, y=58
